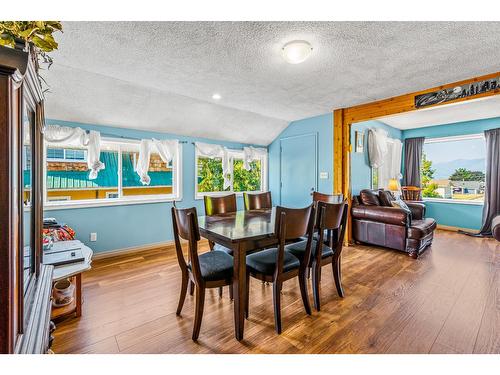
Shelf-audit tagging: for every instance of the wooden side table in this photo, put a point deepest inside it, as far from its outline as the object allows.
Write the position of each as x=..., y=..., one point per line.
x=74, y=271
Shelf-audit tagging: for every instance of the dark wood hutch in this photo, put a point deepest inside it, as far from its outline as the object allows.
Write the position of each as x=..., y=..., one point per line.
x=25, y=283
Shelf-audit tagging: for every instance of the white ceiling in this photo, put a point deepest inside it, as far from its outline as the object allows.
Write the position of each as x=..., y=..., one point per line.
x=446, y=114
x=161, y=75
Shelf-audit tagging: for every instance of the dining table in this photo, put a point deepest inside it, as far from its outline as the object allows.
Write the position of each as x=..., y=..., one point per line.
x=242, y=232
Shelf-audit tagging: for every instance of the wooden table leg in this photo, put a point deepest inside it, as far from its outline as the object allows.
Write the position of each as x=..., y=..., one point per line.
x=78, y=278
x=239, y=290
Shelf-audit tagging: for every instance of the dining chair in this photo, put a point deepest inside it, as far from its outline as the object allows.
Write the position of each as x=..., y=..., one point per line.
x=331, y=217
x=216, y=205
x=328, y=198
x=212, y=269
x=257, y=201
x=276, y=265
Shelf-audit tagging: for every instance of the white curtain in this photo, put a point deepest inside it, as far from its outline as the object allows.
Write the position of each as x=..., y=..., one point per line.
x=77, y=137
x=390, y=164
x=252, y=153
x=142, y=166
x=93, y=153
x=167, y=149
x=218, y=151
x=377, y=147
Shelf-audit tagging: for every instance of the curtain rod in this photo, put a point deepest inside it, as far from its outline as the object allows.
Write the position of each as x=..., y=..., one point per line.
x=132, y=138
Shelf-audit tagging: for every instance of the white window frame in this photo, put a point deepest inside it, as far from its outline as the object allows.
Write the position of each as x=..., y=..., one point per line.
x=117, y=144
x=64, y=159
x=235, y=154
x=454, y=139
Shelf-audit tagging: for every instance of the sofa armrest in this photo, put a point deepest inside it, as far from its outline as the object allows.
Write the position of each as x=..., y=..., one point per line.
x=381, y=214
x=417, y=210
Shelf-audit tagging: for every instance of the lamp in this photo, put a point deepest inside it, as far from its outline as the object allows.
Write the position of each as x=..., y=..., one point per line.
x=393, y=187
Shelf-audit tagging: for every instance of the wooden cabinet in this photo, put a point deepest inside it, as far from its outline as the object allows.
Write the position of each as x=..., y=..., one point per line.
x=25, y=284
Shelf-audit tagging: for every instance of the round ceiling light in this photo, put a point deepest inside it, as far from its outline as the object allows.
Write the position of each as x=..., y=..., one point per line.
x=216, y=96
x=297, y=51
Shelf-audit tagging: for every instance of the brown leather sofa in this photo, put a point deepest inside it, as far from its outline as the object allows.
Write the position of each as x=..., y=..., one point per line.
x=375, y=221
x=495, y=227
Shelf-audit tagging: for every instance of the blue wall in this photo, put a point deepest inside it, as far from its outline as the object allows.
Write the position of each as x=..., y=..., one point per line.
x=323, y=127
x=455, y=214
x=132, y=225
x=360, y=164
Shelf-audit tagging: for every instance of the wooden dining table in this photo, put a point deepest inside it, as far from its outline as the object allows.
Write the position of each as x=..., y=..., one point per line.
x=243, y=232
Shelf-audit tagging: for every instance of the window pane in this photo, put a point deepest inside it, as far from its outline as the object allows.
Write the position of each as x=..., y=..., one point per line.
x=75, y=154
x=247, y=180
x=55, y=153
x=210, y=177
x=69, y=180
x=160, y=174
x=454, y=169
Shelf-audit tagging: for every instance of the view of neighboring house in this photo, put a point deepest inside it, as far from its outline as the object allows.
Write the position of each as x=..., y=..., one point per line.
x=469, y=190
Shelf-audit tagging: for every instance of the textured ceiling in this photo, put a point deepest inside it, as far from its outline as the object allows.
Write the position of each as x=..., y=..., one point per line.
x=446, y=114
x=161, y=75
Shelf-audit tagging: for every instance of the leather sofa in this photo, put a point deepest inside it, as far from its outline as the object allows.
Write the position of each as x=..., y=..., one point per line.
x=495, y=227
x=375, y=221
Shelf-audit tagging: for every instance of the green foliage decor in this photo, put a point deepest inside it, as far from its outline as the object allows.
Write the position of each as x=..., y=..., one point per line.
x=37, y=32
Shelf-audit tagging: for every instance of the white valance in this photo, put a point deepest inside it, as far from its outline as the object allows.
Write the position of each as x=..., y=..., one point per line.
x=142, y=166
x=77, y=137
x=377, y=147
x=252, y=153
x=166, y=148
x=217, y=151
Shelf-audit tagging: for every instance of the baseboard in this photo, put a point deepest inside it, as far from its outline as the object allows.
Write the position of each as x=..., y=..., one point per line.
x=455, y=229
x=139, y=249
x=132, y=250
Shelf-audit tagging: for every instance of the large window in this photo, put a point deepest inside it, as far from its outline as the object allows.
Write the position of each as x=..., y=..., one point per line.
x=67, y=179
x=210, y=179
x=453, y=168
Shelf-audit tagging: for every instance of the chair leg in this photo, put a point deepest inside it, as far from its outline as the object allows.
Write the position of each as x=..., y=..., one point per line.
x=230, y=292
x=277, y=306
x=303, y=291
x=191, y=287
x=198, y=315
x=308, y=272
x=220, y=292
x=182, y=297
x=247, y=296
x=337, y=276
x=316, y=281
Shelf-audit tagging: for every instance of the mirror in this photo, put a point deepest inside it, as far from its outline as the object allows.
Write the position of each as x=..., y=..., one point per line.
x=27, y=178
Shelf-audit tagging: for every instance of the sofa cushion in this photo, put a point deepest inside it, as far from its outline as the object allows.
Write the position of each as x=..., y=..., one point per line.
x=215, y=265
x=385, y=197
x=421, y=228
x=369, y=198
x=264, y=261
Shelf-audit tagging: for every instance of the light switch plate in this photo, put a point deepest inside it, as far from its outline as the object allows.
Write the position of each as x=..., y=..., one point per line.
x=93, y=237
x=323, y=175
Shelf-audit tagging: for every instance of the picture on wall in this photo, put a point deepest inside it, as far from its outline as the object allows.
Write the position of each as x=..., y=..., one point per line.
x=457, y=92
x=359, y=141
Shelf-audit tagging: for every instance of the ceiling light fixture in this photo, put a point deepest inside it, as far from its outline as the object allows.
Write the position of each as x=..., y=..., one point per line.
x=216, y=97
x=296, y=51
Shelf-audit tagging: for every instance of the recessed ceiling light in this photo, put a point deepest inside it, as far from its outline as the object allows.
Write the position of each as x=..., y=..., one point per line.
x=296, y=51
x=216, y=96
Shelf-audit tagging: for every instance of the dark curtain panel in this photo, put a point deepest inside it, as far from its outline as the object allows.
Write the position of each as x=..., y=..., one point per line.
x=413, y=159
x=492, y=182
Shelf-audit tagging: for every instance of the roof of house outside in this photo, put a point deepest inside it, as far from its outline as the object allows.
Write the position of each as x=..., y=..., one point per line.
x=108, y=177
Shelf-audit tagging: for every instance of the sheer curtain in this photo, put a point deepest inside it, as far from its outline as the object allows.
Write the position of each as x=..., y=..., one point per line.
x=492, y=191
x=77, y=137
x=217, y=151
x=166, y=148
x=385, y=156
x=251, y=154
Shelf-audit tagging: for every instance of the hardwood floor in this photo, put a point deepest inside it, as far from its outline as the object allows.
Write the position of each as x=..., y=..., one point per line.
x=447, y=301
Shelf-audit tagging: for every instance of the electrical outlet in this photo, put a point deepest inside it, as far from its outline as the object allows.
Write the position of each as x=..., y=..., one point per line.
x=93, y=237
x=323, y=175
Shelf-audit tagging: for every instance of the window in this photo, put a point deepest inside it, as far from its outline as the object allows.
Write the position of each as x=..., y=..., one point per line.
x=374, y=178
x=67, y=176
x=210, y=180
x=453, y=168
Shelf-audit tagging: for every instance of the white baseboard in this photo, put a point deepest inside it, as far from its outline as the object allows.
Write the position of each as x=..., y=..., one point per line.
x=455, y=229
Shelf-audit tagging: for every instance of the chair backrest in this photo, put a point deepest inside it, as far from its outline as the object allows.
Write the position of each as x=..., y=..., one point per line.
x=185, y=225
x=257, y=201
x=220, y=205
x=332, y=217
x=320, y=197
x=411, y=193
